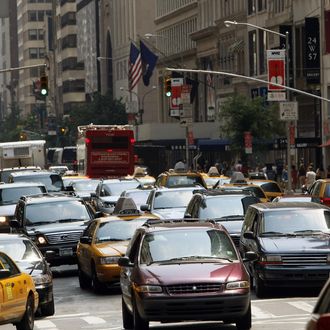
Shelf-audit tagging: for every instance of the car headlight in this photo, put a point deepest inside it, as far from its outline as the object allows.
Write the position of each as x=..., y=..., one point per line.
x=148, y=288
x=271, y=259
x=108, y=260
x=237, y=285
x=3, y=219
x=42, y=279
x=41, y=240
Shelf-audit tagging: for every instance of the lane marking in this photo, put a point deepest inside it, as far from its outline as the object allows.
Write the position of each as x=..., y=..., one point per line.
x=93, y=320
x=45, y=324
x=302, y=305
x=261, y=314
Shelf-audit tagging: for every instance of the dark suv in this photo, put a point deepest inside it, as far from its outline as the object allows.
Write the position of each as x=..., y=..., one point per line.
x=225, y=207
x=54, y=222
x=178, y=270
x=291, y=240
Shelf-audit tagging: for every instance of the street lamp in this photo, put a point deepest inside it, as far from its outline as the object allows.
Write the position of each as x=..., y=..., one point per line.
x=140, y=100
x=287, y=79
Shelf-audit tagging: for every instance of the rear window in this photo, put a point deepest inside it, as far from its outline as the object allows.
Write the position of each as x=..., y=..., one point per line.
x=12, y=195
x=270, y=187
x=183, y=180
x=52, y=182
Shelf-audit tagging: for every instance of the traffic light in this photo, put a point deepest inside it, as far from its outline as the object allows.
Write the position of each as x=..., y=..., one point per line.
x=44, y=85
x=168, y=87
x=23, y=136
x=62, y=130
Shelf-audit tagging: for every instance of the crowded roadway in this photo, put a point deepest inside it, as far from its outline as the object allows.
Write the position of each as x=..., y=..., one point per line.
x=123, y=254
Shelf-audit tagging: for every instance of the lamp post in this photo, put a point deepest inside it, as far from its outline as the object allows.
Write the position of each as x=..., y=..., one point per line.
x=287, y=83
x=140, y=101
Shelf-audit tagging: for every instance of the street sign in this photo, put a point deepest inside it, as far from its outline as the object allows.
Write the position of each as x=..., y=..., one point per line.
x=276, y=69
x=276, y=96
x=289, y=111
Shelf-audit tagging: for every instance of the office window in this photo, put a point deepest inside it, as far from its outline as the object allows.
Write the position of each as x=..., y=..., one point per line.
x=32, y=16
x=262, y=5
x=251, y=7
x=33, y=53
x=33, y=34
x=252, y=53
x=262, y=51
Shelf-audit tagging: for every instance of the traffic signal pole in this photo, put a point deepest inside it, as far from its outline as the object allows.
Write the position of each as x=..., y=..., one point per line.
x=23, y=67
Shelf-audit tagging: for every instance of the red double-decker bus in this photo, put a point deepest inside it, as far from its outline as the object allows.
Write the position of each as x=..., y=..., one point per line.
x=105, y=150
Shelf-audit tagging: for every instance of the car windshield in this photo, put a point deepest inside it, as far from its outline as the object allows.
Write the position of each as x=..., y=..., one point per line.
x=52, y=182
x=116, y=188
x=19, y=250
x=12, y=195
x=184, y=180
x=258, y=192
x=172, y=199
x=295, y=221
x=221, y=206
x=117, y=230
x=270, y=187
x=85, y=185
x=61, y=211
x=186, y=245
x=139, y=197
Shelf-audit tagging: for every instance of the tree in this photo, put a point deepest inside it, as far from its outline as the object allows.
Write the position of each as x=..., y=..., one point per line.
x=241, y=114
x=103, y=110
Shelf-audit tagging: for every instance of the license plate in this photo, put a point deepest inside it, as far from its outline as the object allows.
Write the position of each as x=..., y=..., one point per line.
x=66, y=252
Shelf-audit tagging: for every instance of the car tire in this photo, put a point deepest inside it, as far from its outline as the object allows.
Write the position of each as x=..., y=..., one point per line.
x=84, y=281
x=245, y=322
x=259, y=287
x=128, y=320
x=48, y=309
x=139, y=322
x=95, y=283
x=27, y=322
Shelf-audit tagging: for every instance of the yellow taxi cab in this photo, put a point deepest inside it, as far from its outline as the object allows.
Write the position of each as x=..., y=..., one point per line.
x=18, y=296
x=171, y=179
x=254, y=189
x=142, y=176
x=213, y=178
x=320, y=191
x=271, y=188
x=103, y=242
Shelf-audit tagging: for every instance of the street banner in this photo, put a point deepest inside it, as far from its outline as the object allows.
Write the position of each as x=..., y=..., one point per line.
x=176, y=102
x=276, y=69
x=248, y=142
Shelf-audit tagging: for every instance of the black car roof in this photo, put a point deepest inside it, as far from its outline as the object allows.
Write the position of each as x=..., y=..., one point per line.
x=289, y=206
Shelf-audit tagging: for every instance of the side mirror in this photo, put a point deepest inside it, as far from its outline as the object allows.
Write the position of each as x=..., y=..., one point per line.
x=93, y=194
x=125, y=262
x=250, y=256
x=85, y=240
x=69, y=188
x=248, y=235
x=98, y=214
x=187, y=215
x=14, y=223
x=144, y=207
x=4, y=273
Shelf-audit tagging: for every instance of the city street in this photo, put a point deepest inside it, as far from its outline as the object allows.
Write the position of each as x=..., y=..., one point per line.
x=78, y=309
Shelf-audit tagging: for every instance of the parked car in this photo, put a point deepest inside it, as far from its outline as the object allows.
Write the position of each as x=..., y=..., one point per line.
x=320, y=191
x=55, y=222
x=210, y=282
x=52, y=181
x=30, y=260
x=166, y=203
x=107, y=192
x=9, y=196
x=101, y=245
x=320, y=318
x=171, y=179
x=292, y=243
x=225, y=207
x=19, y=297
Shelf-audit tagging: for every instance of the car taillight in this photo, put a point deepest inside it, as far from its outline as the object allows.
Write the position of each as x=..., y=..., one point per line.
x=325, y=201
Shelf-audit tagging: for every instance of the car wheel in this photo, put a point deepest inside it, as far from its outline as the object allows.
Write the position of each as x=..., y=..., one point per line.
x=260, y=288
x=96, y=284
x=49, y=308
x=139, y=322
x=245, y=322
x=27, y=322
x=84, y=281
x=128, y=321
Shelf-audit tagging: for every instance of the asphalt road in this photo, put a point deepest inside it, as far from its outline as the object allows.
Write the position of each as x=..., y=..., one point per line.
x=80, y=309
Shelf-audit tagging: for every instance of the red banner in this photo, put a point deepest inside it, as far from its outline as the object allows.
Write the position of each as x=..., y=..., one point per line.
x=276, y=69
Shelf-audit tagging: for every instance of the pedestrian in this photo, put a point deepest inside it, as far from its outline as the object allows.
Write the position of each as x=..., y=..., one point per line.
x=319, y=173
x=285, y=177
x=294, y=177
x=310, y=177
x=301, y=175
x=180, y=166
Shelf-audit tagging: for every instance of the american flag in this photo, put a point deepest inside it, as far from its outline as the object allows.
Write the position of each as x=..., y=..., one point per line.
x=134, y=66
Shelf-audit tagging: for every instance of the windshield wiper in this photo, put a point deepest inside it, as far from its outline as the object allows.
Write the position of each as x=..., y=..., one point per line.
x=272, y=233
x=308, y=231
x=38, y=223
x=69, y=220
x=191, y=258
x=230, y=217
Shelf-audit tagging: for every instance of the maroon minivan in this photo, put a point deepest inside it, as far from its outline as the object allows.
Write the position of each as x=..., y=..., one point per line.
x=181, y=270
